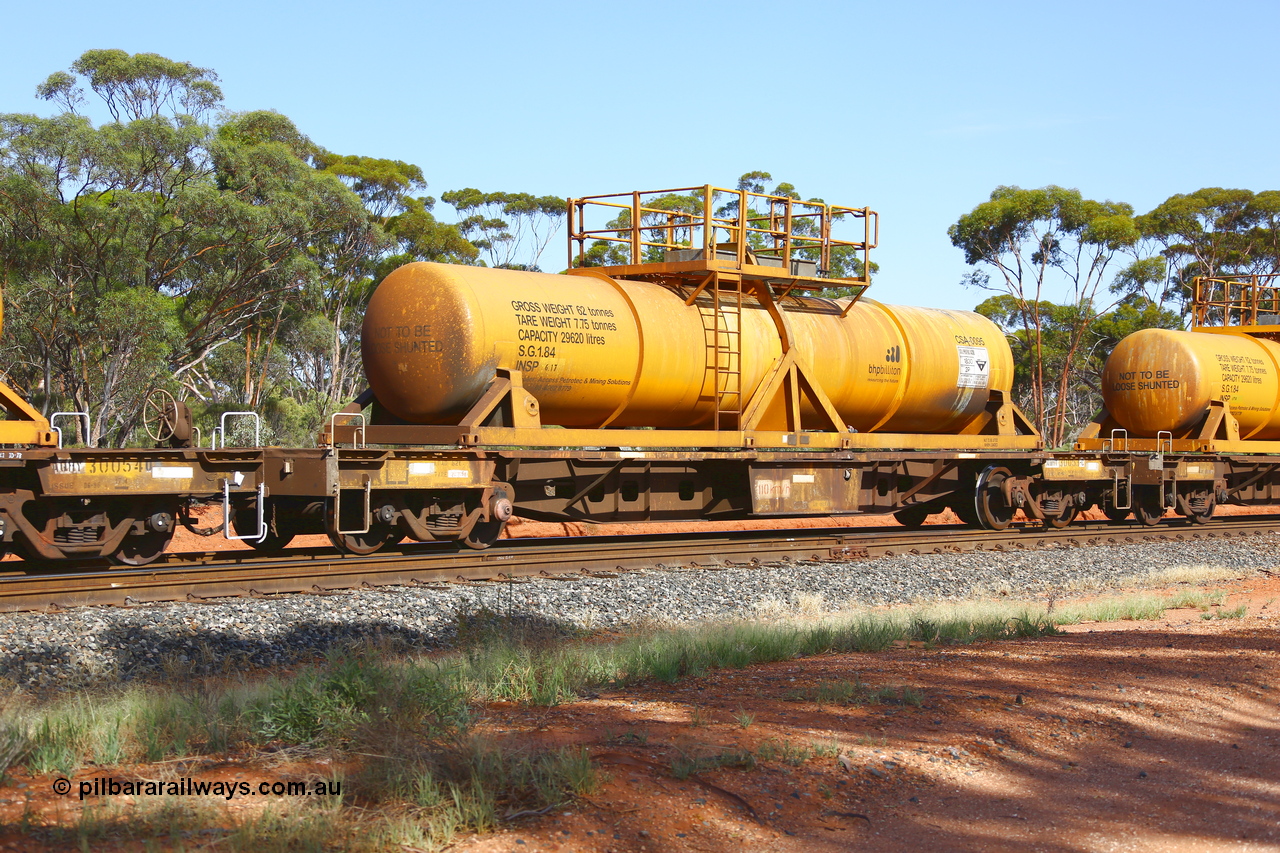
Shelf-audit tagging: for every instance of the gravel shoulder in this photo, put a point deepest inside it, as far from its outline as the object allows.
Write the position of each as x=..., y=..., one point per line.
x=107, y=645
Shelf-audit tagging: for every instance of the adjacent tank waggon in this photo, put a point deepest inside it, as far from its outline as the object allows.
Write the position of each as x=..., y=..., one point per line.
x=60, y=504
x=1192, y=418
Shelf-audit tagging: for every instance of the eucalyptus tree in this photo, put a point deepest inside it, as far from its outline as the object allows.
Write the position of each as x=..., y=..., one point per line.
x=511, y=228
x=399, y=228
x=1040, y=244
x=136, y=248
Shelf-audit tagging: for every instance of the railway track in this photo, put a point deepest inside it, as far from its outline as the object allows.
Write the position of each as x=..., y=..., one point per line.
x=198, y=576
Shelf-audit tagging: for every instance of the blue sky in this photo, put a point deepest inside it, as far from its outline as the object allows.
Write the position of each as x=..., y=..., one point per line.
x=916, y=109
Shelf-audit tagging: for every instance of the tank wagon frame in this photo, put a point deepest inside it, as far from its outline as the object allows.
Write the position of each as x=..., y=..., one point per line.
x=776, y=449
x=763, y=436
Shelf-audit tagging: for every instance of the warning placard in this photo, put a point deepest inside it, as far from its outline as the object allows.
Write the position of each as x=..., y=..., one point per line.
x=975, y=367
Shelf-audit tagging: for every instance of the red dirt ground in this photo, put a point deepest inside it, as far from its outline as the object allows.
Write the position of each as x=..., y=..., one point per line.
x=1133, y=736
x=1159, y=736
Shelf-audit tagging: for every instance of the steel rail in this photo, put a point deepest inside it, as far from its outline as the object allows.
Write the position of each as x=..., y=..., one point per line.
x=202, y=576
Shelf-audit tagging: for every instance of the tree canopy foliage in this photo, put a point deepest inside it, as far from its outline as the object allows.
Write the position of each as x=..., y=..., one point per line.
x=1049, y=252
x=225, y=256
x=1211, y=232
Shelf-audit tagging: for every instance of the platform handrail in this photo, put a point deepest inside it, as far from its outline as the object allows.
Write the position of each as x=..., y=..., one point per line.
x=226, y=511
x=88, y=427
x=1235, y=300
x=359, y=431
x=755, y=226
x=1109, y=444
x=221, y=429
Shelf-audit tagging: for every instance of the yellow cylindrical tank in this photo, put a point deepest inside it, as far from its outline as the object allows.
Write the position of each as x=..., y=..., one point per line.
x=598, y=351
x=1162, y=379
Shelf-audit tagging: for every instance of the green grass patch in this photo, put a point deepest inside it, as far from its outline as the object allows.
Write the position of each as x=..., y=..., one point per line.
x=685, y=765
x=1237, y=612
x=412, y=719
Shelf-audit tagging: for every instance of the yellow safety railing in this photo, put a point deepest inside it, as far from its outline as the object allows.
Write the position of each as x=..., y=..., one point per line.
x=725, y=224
x=1236, y=300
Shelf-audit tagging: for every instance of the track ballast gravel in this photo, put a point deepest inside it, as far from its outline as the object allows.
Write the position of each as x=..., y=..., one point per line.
x=107, y=644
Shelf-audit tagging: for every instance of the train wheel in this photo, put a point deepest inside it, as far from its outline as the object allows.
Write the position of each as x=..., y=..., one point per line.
x=144, y=548
x=139, y=549
x=994, y=512
x=383, y=530
x=1202, y=513
x=912, y=517
x=244, y=518
x=483, y=534
x=1114, y=514
x=1147, y=507
x=379, y=535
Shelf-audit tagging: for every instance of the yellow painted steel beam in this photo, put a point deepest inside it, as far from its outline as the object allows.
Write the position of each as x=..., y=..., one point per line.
x=1179, y=445
x=502, y=436
x=25, y=425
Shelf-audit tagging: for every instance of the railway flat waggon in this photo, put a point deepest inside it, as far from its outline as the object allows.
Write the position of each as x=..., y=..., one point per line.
x=717, y=367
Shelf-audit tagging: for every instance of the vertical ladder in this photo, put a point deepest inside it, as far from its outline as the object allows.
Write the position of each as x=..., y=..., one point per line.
x=724, y=350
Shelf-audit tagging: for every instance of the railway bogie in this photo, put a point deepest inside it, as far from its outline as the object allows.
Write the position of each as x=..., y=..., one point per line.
x=124, y=505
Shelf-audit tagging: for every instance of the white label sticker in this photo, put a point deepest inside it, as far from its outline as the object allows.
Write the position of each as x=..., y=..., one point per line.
x=802, y=478
x=975, y=367
x=459, y=474
x=1078, y=464
x=172, y=472
x=422, y=467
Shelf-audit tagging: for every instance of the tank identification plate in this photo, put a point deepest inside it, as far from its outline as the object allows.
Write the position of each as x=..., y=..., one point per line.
x=440, y=473
x=105, y=475
x=1074, y=469
x=550, y=331
x=975, y=367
